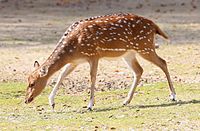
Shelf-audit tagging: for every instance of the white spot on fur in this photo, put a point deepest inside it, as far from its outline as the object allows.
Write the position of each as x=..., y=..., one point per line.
x=104, y=28
x=90, y=26
x=119, y=21
x=125, y=21
x=138, y=21
x=122, y=39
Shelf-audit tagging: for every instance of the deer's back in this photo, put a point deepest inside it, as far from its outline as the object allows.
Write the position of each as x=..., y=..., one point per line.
x=112, y=35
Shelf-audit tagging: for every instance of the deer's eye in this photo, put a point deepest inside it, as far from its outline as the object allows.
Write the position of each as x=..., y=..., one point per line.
x=31, y=84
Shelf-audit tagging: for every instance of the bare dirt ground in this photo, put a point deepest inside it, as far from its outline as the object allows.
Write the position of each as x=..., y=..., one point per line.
x=29, y=30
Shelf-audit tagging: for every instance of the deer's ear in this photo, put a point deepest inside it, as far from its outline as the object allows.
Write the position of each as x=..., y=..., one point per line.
x=43, y=71
x=36, y=64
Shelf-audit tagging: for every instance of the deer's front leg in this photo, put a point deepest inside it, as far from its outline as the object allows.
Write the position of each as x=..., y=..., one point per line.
x=93, y=73
x=66, y=70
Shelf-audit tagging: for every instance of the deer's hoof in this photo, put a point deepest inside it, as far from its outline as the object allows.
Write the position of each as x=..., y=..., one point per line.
x=126, y=102
x=89, y=109
x=53, y=106
x=173, y=97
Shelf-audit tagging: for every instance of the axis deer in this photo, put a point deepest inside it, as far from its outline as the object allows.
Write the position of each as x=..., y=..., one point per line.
x=89, y=40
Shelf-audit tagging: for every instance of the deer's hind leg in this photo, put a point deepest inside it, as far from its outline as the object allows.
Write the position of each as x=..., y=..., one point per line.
x=132, y=62
x=155, y=59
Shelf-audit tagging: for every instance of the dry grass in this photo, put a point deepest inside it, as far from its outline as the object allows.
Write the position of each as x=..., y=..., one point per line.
x=149, y=110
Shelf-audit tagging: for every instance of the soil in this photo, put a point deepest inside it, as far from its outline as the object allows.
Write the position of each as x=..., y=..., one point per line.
x=30, y=29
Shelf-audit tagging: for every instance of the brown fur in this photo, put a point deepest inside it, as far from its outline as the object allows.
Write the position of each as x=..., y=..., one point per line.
x=95, y=38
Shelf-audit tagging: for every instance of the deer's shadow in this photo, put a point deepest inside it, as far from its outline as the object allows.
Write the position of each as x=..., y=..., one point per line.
x=175, y=103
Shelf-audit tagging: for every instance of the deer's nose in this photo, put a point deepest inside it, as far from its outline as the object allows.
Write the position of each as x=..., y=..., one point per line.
x=28, y=100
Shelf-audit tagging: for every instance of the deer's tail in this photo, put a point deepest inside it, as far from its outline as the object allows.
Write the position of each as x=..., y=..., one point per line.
x=160, y=32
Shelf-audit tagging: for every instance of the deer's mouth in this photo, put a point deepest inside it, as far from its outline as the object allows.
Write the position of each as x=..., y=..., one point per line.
x=28, y=100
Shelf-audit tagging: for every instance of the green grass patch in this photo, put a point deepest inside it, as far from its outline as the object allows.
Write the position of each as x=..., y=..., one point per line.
x=149, y=109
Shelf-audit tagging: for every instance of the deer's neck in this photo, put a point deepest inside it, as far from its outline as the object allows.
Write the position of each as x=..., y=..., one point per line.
x=57, y=60
x=53, y=65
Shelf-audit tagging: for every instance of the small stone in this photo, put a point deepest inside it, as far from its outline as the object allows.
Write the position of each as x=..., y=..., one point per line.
x=110, y=116
x=113, y=128
x=84, y=106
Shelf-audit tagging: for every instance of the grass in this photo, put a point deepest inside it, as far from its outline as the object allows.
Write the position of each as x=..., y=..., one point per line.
x=149, y=110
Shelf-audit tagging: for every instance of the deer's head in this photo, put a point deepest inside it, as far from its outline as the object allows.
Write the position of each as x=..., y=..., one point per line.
x=36, y=82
